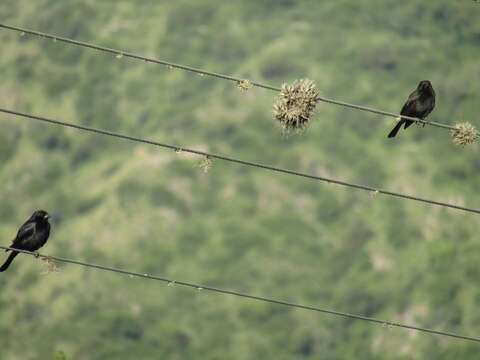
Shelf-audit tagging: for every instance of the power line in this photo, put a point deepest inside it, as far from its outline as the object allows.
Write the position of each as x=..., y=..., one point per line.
x=237, y=161
x=127, y=54
x=248, y=296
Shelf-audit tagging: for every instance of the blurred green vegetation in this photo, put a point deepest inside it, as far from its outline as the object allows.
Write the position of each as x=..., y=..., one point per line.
x=141, y=208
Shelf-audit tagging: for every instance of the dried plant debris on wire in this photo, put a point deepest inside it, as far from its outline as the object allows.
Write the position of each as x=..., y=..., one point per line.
x=205, y=164
x=295, y=105
x=464, y=134
x=51, y=266
x=244, y=85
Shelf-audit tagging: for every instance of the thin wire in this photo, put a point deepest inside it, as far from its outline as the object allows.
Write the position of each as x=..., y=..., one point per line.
x=237, y=161
x=248, y=296
x=386, y=113
x=133, y=56
x=214, y=74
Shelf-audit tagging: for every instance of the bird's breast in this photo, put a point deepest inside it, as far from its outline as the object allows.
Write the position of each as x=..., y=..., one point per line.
x=423, y=105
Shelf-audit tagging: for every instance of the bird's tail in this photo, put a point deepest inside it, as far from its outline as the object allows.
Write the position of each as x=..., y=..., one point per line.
x=397, y=127
x=7, y=263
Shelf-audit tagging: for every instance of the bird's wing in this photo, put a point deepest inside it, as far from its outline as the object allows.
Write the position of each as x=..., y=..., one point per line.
x=27, y=230
x=407, y=107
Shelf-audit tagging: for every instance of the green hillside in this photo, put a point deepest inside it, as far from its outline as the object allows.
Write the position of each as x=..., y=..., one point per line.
x=155, y=211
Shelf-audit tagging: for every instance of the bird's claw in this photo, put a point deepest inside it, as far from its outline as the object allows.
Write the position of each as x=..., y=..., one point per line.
x=36, y=254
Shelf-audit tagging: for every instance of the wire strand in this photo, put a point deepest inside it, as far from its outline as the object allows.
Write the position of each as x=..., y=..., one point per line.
x=248, y=296
x=238, y=161
x=213, y=74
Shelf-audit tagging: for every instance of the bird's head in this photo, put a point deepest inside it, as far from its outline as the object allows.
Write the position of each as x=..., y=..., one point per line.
x=40, y=215
x=425, y=85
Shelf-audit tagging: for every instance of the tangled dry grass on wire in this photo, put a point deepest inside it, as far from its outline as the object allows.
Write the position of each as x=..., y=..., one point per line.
x=51, y=266
x=295, y=105
x=205, y=164
x=244, y=85
x=464, y=134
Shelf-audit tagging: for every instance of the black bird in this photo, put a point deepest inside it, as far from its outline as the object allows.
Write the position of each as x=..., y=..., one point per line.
x=31, y=236
x=420, y=103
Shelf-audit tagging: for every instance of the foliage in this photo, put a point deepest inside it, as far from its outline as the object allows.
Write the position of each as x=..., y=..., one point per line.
x=155, y=211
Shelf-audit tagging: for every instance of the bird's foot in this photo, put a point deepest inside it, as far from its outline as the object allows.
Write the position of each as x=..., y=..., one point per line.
x=36, y=254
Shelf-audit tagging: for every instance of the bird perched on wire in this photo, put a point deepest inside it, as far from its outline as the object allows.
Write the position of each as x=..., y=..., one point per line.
x=420, y=103
x=31, y=236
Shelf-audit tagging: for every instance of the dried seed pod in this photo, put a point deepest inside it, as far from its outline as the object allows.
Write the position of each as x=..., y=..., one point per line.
x=464, y=134
x=244, y=85
x=51, y=266
x=205, y=164
x=296, y=104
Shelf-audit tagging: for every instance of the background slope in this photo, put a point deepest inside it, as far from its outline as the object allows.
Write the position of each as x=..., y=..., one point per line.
x=155, y=211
